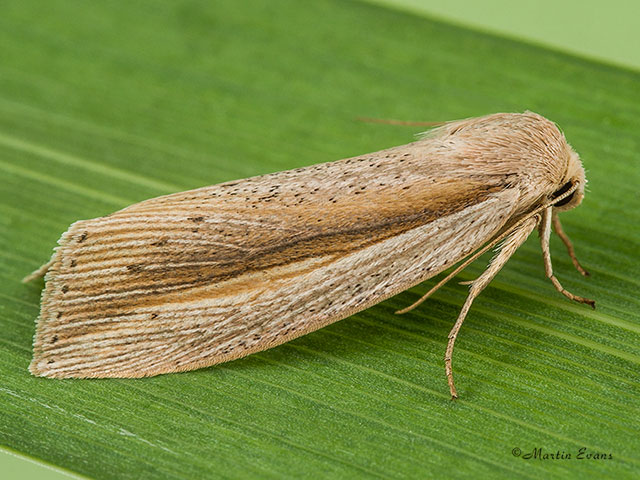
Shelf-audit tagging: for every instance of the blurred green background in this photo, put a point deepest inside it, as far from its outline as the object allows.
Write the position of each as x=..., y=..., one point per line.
x=51, y=48
x=603, y=31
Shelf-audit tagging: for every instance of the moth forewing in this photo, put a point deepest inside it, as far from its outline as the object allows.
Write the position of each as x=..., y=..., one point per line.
x=201, y=277
x=218, y=320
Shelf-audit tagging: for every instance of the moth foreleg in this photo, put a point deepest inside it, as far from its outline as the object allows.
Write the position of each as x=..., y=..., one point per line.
x=510, y=245
x=557, y=227
x=545, y=233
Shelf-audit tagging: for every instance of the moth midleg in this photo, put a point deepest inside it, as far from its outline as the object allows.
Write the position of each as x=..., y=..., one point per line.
x=508, y=248
x=545, y=234
x=557, y=227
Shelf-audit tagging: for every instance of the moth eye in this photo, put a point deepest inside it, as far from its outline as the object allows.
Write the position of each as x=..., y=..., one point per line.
x=565, y=188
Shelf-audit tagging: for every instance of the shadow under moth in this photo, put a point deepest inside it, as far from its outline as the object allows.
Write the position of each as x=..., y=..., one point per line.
x=192, y=279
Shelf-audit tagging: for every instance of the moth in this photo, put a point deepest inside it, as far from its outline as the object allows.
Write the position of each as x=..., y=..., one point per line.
x=197, y=278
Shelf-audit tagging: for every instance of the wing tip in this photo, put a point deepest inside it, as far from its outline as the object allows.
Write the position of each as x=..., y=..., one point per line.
x=39, y=367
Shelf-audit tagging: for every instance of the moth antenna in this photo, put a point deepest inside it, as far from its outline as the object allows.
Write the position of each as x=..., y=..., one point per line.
x=511, y=244
x=464, y=265
x=40, y=272
x=557, y=227
x=439, y=284
x=390, y=121
x=545, y=233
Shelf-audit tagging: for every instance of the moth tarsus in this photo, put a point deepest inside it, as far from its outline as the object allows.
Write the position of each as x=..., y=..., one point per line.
x=202, y=277
x=545, y=233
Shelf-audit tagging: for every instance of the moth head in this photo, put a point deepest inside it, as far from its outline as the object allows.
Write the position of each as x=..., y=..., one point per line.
x=573, y=177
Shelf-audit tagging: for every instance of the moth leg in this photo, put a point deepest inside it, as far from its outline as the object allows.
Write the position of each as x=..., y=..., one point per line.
x=557, y=227
x=508, y=248
x=457, y=270
x=40, y=272
x=545, y=233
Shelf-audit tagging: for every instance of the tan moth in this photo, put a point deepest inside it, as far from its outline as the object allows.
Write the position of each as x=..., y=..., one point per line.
x=196, y=278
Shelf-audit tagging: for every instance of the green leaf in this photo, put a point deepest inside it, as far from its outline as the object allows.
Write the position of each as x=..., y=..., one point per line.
x=103, y=104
